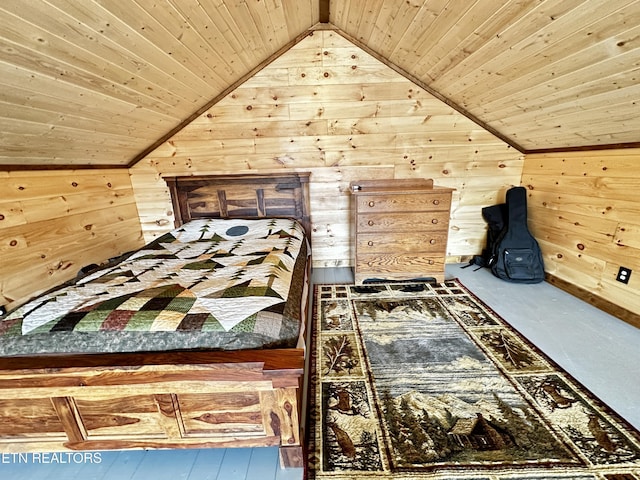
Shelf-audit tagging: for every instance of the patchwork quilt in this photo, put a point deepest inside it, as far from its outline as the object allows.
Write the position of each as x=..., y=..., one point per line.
x=232, y=278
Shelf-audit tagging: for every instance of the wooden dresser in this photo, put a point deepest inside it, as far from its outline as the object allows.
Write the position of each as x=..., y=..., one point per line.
x=400, y=229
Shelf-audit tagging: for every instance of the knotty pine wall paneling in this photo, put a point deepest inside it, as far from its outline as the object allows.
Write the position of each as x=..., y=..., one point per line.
x=54, y=222
x=515, y=64
x=584, y=209
x=97, y=82
x=328, y=107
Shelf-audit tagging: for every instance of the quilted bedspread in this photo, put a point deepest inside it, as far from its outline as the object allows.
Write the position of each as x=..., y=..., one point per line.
x=210, y=275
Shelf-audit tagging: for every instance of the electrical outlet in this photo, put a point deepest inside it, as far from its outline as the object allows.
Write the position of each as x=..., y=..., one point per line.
x=623, y=274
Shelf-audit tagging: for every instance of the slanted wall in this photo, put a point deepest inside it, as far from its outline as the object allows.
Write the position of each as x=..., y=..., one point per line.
x=54, y=222
x=327, y=107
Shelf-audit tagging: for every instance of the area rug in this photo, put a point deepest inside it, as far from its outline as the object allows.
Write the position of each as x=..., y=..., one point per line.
x=424, y=381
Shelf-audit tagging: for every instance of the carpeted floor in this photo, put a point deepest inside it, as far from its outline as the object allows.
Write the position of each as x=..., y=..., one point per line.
x=420, y=380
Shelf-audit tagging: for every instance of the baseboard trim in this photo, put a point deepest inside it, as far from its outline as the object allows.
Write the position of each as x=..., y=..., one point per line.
x=599, y=302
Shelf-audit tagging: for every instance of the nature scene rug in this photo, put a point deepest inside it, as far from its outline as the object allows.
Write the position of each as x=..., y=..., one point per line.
x=423, y=381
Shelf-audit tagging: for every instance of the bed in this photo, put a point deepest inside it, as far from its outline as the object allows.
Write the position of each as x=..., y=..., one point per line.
x=176, y=345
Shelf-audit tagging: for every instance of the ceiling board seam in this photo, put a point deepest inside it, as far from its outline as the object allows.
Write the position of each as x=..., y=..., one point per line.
x=532, y=78
x=74, y=166
x=430, y=90
x=218, y=98
x=74, y=73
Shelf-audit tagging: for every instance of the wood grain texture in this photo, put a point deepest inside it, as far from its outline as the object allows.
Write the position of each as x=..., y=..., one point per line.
x=584, y=211
x=396, y=248
x=330, y=108
x=284, y=195
x=546, y=74
x=97, y=82
x=188, y=399
x=36, y=416
x=67, y=411
x=154, y=406
x=100, y=83
x=53, y=223
x=271, y=360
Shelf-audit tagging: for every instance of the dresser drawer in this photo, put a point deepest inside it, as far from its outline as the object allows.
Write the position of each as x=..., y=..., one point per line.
x=412, y=264
x=390, y=222
x=411, y=202
x=400, y=229
x=417, y=242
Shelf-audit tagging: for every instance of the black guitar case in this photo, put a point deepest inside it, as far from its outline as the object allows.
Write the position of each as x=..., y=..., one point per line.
x=516, y=254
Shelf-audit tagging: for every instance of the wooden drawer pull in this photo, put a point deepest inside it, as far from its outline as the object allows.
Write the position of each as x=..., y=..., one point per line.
x=432, y=241
x=371, y=223
x=434, y=220
x=372, y=203
x=370, y=243
x=436, y=202
x=431, y=262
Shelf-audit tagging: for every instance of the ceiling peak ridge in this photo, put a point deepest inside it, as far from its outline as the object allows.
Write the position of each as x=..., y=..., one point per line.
x=281, y=51
x=430, y=90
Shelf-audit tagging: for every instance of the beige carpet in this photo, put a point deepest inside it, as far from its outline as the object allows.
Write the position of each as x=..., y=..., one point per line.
x=423, y=381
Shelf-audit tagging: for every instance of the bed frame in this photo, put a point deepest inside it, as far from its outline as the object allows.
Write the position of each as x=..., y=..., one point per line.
x=188, y=399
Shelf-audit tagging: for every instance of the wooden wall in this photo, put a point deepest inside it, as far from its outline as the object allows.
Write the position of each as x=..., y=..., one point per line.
x=52, y=223
x=99, y=81
x=96, y=82
x=517, y=64
x=328, y=107
x=584, y=209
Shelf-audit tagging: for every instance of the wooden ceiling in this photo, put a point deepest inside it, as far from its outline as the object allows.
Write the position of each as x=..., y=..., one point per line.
x=544, y=73
x=99, y=82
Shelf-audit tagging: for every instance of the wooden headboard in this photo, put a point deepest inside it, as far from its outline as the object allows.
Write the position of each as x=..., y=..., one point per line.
x=283, y=195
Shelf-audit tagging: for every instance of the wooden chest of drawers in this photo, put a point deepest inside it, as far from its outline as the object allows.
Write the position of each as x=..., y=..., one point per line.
x=400, y=229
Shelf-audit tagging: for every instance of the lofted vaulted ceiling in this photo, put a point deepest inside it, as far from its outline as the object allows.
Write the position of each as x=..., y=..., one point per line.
x=100, y=82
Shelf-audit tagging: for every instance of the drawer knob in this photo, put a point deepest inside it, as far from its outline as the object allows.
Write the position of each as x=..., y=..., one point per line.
x=370, y=264
x=370, y=243
x=370, y=223
x=372, y=203
x=434, y=220
x=431, y=262
x=432, y=241
x=436, y=202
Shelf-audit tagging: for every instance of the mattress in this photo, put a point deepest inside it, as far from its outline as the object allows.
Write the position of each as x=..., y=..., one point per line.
x=209, y=284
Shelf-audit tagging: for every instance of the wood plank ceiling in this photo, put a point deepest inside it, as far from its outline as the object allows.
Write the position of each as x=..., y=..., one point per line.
x=98, y=82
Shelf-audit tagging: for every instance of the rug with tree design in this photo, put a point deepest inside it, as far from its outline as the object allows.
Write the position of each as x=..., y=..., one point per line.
x=424, y=381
